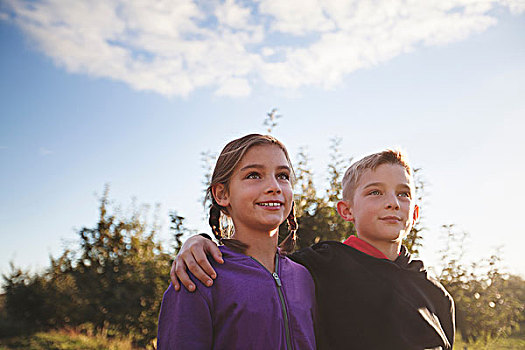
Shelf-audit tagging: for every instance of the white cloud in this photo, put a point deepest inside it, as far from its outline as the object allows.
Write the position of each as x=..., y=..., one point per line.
x=297, y=16
x=176, y=47
x=516, y=6
x=234, y=87
x=231, y=14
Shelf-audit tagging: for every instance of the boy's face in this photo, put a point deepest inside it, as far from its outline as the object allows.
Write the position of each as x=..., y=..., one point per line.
x=382, y=208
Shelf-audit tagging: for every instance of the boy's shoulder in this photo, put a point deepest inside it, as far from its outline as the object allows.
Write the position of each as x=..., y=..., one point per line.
x=375, y=290
x=326, y=253
x=333, y=256
x=291, y=267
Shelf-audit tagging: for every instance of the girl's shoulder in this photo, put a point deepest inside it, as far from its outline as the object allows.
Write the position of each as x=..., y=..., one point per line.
x=234, y=261
x=232, y=255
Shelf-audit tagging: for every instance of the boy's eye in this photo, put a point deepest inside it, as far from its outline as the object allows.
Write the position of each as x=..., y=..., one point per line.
x=283, y=176
x=374, y=193
x=253, y=175
x=404, y=194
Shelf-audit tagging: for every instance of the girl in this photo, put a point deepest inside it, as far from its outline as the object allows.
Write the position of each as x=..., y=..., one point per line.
x=261, y=299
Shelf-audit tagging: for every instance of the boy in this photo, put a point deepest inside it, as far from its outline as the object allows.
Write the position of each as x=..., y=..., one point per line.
x=369, y=291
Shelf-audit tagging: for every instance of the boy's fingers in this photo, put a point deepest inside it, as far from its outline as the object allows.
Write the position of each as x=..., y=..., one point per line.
x=212, y=249
x=192, y=256
x=202, y=261
x=173, y=277
x=195, y=264
x=180, y=271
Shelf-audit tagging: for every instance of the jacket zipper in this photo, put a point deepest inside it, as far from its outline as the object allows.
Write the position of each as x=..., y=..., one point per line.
x=278, y=283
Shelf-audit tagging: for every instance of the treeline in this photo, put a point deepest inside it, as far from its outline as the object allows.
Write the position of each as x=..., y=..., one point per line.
x=113, y=282
x=489, y=302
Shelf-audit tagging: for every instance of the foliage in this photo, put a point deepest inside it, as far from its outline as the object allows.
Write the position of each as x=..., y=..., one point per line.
x=114, y=281
x=489, y=303
x=316, y=213
x=414, y=240
x=178, y=229
x=515, y=341
x=65, y=340
x=208, y=159
x=23, y=308
x=271, y=120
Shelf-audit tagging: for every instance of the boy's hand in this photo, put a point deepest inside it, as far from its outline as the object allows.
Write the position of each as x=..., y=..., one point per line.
x=192, y=255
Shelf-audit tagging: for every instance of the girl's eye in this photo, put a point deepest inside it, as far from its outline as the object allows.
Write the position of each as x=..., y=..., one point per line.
x=374, y=193
x=283, y=176
x=253, y=176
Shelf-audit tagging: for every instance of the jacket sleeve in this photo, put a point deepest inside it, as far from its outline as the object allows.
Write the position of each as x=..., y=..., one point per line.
x=185, y=321
x=450, y=327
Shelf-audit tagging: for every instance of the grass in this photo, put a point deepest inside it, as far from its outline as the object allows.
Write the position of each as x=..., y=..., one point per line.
x=70, y=340
x=515, y=341
x=63, y=340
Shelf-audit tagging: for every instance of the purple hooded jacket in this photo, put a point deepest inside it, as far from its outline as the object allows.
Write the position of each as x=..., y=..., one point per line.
x=246, y=308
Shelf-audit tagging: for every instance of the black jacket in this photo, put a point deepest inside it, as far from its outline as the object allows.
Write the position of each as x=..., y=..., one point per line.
x=369, y=303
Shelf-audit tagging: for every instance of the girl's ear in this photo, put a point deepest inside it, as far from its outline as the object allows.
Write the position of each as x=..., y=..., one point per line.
x=345, y=210
x=220, y=194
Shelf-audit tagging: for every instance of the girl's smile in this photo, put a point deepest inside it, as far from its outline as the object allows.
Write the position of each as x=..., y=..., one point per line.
x=271, y=205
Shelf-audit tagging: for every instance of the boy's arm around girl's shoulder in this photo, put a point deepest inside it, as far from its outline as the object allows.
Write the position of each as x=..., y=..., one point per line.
x=185, y=321
x=321, y=257
x=318, y=256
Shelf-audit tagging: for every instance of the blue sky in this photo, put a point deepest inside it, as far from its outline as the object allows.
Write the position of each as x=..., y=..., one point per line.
x=131, y=95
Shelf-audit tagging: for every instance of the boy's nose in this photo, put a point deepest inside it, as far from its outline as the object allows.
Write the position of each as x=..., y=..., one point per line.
x=391, y=202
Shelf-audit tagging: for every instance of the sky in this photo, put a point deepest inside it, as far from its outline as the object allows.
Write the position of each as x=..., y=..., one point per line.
x=130, y=93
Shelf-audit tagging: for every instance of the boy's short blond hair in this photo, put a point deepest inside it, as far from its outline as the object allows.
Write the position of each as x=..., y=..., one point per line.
x=372, y=161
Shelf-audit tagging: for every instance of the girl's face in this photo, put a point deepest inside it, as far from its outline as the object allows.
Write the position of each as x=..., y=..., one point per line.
x=260, y=194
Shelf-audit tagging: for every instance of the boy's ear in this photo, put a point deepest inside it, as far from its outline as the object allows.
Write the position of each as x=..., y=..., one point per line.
x=416, y=215
x=345, y=211
x=220, y=194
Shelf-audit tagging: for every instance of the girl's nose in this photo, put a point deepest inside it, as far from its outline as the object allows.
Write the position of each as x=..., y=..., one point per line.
x=273, y=186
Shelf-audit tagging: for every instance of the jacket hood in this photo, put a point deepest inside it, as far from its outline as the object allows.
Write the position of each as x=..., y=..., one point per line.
x=406, y=262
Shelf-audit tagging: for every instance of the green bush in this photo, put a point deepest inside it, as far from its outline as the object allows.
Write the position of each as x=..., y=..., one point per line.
x=114, y=281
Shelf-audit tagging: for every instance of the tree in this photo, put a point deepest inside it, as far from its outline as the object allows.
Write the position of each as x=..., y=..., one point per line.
x=121, y=273
x=414, y=240
x=114, y=281
x=208, y=159
x=317, y=214
x=24, y=309
x=271, y=120
x=489, y=303
x=178, y=229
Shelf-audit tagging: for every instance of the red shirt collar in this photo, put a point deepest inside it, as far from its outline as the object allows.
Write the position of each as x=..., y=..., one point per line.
x=364, y=247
